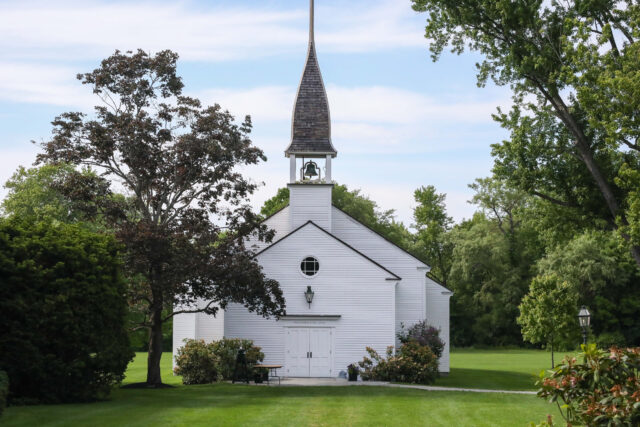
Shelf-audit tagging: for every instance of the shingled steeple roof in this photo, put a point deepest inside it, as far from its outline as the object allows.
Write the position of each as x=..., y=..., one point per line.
x=311, y=127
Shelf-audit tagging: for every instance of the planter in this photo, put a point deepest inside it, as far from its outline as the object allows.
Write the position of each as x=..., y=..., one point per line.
x=353, y=376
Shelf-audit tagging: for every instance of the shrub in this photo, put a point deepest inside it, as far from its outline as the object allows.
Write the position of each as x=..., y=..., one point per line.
x=604, y=389
x=196, y=363
x=414, y=363
x=423, y=334
x=4, y=390
x=610, y=339
x=62, y=310
x=226, y=351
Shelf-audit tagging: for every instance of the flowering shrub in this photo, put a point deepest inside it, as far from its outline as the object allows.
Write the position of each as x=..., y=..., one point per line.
x=414, y=363
x=423, y=334
x=602, y=390
x=196, y=363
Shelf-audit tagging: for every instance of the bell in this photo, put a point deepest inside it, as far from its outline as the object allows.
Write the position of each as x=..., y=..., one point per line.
x=310, y=170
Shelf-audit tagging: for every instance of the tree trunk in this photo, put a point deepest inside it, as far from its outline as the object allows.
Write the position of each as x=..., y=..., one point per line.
x=154, y=377
x=553, y=364
x=586, y=154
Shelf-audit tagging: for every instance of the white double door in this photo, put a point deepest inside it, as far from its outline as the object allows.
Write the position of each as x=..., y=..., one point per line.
x=309, y=352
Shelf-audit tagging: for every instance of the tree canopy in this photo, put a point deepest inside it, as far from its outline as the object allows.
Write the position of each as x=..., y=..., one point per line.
x=185, y=207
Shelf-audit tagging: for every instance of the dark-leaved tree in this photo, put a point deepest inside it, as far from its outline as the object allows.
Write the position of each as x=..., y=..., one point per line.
x=185, y=212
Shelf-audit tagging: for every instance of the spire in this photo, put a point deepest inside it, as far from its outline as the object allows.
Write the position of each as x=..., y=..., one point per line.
x=312, y=20
x=311, y=127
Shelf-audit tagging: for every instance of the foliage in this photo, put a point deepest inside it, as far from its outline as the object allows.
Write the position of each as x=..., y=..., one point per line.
x=423, y=334
x=603, y=389
x=432, y=225
x=62, y=310
x=196, y=363
x=358, y=206
x=32, y=194
x=187, y=205
x=573, y=70
x=226, y=350
x=598, y=266
x=414, y=363
x=548, y=313
x=4, y=390
x=202, y=363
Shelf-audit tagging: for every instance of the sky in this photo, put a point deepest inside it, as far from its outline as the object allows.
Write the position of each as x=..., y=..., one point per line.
x=399, y=120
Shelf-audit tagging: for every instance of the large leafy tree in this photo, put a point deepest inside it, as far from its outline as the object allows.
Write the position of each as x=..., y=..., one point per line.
x=573, y=67
x=492, y=265
x=432, y=225
x=186, y=212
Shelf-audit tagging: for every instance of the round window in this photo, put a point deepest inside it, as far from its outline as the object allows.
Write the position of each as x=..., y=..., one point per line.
x=310, y=266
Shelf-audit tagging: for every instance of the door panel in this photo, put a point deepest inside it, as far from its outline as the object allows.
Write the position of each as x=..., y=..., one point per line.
x=297, y=348
x=320, y=348
x=308, y=352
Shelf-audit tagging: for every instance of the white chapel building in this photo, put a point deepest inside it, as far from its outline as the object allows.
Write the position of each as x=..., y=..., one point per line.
x=346, y=287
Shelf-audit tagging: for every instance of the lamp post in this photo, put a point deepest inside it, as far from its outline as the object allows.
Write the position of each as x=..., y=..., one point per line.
x=584, y=318
x=309, y=295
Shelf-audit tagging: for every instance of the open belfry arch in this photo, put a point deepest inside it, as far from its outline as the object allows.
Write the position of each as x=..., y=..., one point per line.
x=346, y=287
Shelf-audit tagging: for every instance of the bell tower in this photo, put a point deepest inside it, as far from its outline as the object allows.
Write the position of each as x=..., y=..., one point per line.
x=311, y=151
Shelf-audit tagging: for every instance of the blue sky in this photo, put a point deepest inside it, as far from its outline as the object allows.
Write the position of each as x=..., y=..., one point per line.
x=399, y=120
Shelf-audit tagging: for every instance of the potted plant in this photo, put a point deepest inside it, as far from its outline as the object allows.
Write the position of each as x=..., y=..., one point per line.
x=353, y=371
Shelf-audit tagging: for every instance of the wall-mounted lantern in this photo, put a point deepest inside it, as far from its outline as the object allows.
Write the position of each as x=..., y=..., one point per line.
x=309, y=295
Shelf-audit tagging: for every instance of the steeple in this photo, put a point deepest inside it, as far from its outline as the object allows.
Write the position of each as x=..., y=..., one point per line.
x=311, y=127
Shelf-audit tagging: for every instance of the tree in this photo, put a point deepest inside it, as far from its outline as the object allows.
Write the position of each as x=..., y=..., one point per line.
x=573, y=69
x=432, y=225
x=604, y=275
x=548, y=313
x=62, y=310
x=33, y=194
x=492, y=264
x=185, y=215
x=358, y=206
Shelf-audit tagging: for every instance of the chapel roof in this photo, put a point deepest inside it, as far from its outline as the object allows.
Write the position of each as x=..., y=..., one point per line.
x=311, y=125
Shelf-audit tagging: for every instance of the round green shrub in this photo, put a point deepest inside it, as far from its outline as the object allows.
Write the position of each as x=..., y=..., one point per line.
x=424, y=334
x=226, y=351
x=62, y=311
x=196, y=363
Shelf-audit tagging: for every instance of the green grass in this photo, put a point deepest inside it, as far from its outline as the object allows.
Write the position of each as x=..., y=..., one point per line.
x=497, y=369
x=226, y=405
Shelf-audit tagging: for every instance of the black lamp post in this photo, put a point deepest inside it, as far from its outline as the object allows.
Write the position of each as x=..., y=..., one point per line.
x=584, y=318
x=309, y=295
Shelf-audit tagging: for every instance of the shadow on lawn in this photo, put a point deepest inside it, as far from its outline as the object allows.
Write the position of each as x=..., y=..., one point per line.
x=489, y=379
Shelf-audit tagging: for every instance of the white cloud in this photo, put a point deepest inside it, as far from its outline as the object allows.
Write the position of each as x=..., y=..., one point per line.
x=93, y=29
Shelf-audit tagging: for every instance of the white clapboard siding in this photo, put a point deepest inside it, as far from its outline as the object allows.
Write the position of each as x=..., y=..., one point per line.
x=437, y=314
x=413, y=302
x=348, y=285
x=310, y=202
x=279, y=223
x=196, y=326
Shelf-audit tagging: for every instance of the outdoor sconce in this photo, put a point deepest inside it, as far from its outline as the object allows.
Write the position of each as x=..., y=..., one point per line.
x=584, y=318
x=309, y=295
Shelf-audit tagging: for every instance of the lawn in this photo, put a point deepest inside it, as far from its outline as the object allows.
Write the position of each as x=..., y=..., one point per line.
x=226, y=404
x=497, y=369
